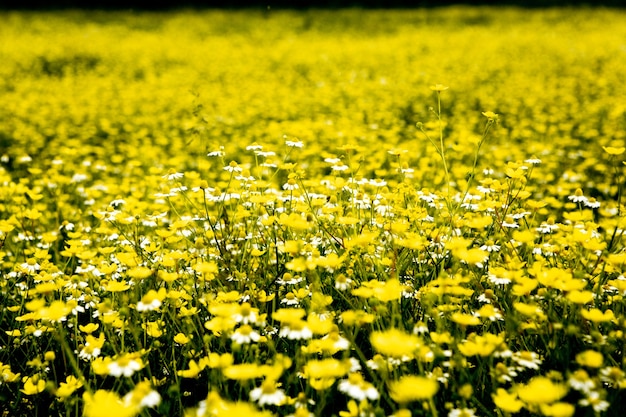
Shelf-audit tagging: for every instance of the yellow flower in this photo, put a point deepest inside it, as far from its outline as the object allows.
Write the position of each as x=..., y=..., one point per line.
x=516, y=173
x=330, y=262
x=412, y=388
x=611, y=150
x=326, y=368
x=88, y=328
x=392, y=290
x=439, y=87
x=294, y=221
x=320, y=325
x=524, y=236
x=320, y=384
x=181, y=339
x=466, y=391
x=142, y=395
x=206, y=269
x=480, y=345
x=130, y=259
x=6, y=374
x=5, y=227
x=356, y=317
x=386, y=291
x=403, y=412
x=524, y=286
x=395, y=343
x=300, y=264
x=124, y=365
x=363, y=239
x=289, y=315
x=139, y=272
x=541, y=390
x=33, y=385
x=580, y=297
x=441, y=338
x=68, y=387
x=479, y=222
x=472, y=256
x=215, y=360
x=152, y=300
x=92, y=347
x=154, y=328
x=245, y=371
x=529, y=310
x=558, y=409
x=353, y=410
x=193, y=371
x=590, y=358
x=57, y=311
x=597, y=316
x=506, y=401
x=490, y=115
x=116, y=286
x=465, y=319
x=106, y=404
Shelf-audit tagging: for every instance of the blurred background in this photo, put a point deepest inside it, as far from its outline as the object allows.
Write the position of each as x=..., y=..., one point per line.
x=282, y=4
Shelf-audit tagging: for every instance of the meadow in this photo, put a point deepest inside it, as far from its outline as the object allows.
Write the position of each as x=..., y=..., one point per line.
x=344, y=213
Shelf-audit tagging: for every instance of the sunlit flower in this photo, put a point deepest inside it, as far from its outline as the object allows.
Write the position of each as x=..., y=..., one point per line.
x=268, y=393
x=578, y=197
x=104, y=403
x=245, y=334
x=590, y=359
x=541, y=390
x=580, y=381
x=356, y=387
x=412, y=388
x=143, y=395
x=152, y=300
x=559, y=409
x=491, y=116
x=126, y=365
x=181, y=339
x=68, y=387
x=92, y=347
x=612, y=150
x=33, y=385
x=597, y=316
x=296, y=330
x=233, y=167
x=507, y=402
x=439, y=87
x=526, y=359
x=395, y=343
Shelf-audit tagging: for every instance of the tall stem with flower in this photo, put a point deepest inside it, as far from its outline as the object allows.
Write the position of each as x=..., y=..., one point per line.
x=439, y=147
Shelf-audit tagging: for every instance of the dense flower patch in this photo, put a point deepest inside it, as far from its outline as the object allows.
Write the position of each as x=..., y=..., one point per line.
x=280, y=213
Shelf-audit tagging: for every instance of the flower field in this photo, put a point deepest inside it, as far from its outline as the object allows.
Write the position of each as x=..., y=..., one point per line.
x=317, y=213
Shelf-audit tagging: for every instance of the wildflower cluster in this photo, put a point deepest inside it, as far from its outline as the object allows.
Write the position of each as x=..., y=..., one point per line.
x=394, y=251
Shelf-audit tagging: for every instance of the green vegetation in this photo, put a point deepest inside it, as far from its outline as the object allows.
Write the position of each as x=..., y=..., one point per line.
x=351, y=213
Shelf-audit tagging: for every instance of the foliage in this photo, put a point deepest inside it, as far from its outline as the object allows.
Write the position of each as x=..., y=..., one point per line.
x=287, y=213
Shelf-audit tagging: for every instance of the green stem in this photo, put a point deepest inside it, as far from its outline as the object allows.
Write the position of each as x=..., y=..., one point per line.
x=60, y=335
x=441, y=147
